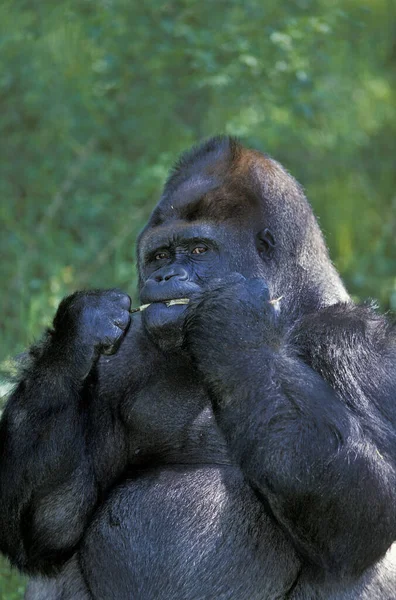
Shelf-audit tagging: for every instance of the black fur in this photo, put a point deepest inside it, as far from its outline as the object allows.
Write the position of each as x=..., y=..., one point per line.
x=242, y=447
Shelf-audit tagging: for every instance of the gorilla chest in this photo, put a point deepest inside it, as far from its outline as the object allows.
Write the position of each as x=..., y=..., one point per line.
x=186, y=532
x=170, y=420
x=183, y=524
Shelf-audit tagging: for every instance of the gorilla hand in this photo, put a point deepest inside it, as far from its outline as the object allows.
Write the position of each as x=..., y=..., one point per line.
x=229, y=321
x=88, y=324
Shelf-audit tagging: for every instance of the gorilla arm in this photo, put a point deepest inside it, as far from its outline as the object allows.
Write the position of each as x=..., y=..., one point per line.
x=47, y=486
x=54, y=462
x=323, y=463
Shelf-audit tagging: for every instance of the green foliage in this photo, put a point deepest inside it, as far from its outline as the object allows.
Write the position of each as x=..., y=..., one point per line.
x=99, y=97
x=12, y=585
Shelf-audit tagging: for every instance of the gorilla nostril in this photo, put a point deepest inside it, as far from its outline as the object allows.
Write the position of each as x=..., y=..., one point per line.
x=181, y=275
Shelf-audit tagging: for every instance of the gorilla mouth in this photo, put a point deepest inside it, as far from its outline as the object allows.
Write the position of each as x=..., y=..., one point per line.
x=168, y=303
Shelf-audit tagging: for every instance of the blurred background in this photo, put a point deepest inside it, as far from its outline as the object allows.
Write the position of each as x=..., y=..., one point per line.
x=98, y=98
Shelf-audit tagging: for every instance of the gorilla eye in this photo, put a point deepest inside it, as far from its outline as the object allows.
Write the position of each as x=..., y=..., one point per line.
x=199, y=250
x=161, y=255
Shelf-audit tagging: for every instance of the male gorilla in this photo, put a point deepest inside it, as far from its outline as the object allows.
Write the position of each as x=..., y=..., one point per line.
x=239, y=447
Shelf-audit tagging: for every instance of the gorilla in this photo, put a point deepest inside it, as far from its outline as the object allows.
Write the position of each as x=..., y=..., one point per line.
x=238, y=445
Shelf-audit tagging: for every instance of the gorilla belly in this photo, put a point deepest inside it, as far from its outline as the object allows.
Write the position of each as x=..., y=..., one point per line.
x=186, y=533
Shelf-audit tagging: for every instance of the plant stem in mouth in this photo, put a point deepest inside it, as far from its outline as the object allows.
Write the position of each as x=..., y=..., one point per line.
x=275, y=302
x=166, y=302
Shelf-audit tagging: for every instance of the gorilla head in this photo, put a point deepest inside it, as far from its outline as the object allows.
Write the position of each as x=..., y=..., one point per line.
x=224, y=210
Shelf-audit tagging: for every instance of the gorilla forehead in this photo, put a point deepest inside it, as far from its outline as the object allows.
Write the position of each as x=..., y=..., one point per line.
x=192, y=190
x=203, y=197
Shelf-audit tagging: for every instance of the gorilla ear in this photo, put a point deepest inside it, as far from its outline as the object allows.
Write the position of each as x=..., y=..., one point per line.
x=265, y=243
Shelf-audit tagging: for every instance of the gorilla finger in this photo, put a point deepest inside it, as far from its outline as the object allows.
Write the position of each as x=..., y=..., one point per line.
x=110, y=344
x=122, y=321
x=228, y=281
x=259, y=288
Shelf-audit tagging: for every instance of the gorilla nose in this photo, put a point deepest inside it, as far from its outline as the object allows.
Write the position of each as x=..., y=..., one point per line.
x=180, y=273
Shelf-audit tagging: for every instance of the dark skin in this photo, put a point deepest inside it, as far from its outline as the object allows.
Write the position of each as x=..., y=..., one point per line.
x=231, y=448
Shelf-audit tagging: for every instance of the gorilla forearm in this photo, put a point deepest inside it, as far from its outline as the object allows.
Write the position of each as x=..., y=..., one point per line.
x=330, y=484
x=52, y=469
x=327, y=474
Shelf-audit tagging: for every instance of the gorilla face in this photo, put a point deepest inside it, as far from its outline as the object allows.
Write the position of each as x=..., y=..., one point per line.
x=180, y=260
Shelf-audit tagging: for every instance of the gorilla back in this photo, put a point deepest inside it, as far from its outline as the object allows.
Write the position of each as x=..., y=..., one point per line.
x=241, y=446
